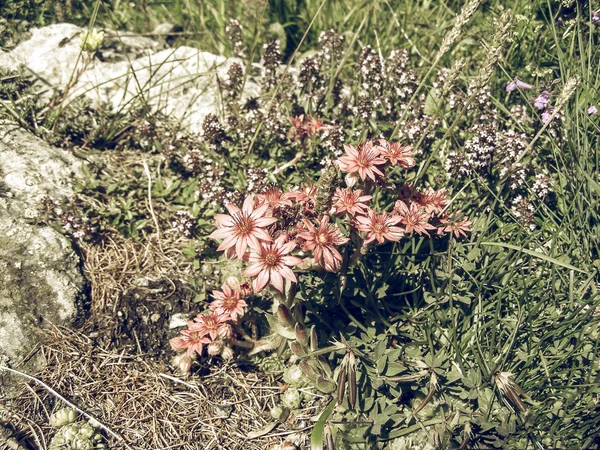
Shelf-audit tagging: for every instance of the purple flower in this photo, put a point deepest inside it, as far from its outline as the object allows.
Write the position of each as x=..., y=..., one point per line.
x=516, y=83
x=592, y=111
x=596, y=17
x=543, y=99
x=547, y=114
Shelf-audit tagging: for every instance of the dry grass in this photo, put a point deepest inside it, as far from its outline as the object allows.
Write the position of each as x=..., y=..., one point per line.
x=140, y=401
x=113, y=265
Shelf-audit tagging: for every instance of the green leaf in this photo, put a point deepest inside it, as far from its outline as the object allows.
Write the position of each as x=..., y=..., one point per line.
x=381, y=364
x=394, y=368
x=534, y=254
x=316, y=437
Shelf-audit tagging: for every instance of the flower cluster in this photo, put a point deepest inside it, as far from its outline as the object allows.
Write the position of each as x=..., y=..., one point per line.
x=212, y=130
x=271, y=62
x=184, y=223
x=304, y=127
x=213, y=328
x=490, y=152
x=332, y=45
x=270, y=226
x=64, y=212
x=276, y=232
x=234, y=32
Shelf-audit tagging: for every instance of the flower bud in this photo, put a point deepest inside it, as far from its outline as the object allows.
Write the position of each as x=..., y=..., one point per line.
x=225, y=330
x=284, y=316
x=301, y=334
x=214, y=348
x=183, y=362
x=245, y=289
x=297, y=349
x=233, y=283
x=227, y=353
x=351, y=179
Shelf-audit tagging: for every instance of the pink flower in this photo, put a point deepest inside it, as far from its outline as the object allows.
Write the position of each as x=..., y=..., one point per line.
x=243, y=227
x=592, y=110
x=397, y=154
x=350, y=202
x=228, y=303
x=415, y=218
x=433, y=201
x=212, y=324
x=547, y=114
x=322, y=241
x=542, y=100
x=304, y=126
x=270, y=264
x=274, y=198
x=363, y=160
x=516, y=83
x=307, y=194
x=190, y=340
x=380, y=226
x=456, y=224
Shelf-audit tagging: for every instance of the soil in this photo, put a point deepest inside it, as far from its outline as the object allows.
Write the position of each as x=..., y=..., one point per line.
x=139, y=321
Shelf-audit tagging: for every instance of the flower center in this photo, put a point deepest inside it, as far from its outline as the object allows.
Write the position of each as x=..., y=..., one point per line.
x=379, y=227
x=363, y=160
x=244, y=224
x=271, y=259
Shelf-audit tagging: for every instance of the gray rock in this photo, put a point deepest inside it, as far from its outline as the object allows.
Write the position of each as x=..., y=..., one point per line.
x=181, y=83
x=40, y=277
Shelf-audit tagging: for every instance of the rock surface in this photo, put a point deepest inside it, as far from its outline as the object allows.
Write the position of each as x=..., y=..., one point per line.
x=181, y=83
x=40, y=278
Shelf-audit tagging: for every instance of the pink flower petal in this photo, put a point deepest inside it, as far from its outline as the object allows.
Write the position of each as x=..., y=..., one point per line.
x=248, y=204
x=223, y=220
x=221, y=233
x=253, y=270
x=277, y=280
x=288, y=273
x=241, y=246
x=233, y=210
x=227, y=243
x=291, y=260
x=261, y=280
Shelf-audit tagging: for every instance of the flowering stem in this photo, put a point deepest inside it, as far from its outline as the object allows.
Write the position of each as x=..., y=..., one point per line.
x=285, y=71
